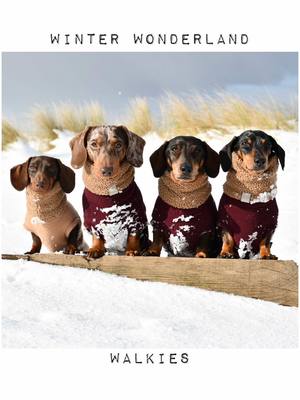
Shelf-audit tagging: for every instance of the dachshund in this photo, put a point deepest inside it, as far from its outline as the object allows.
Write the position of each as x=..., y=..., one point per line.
x=114, y=211
x=248, y=212
x=184, y=215
x=50, y=218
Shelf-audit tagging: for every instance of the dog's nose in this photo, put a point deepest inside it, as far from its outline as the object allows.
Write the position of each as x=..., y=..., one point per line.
x=186, y=168
x=259, y=162
x=40, y=184
x=107, y=171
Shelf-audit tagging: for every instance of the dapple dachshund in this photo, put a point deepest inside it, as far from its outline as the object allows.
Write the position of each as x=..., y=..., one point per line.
x=114, y=211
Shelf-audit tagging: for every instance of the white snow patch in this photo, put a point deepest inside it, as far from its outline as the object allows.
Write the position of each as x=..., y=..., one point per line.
x=36, y=220
x=245, y=246
x=183, y=218
x=115, y=226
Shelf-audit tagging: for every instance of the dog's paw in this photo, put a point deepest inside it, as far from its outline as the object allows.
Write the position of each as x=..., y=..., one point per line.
x=150, y=253
x=94, y=252
x=270, y=257
x=32, y=251
x=70, y=249
x=132, y=253
x=200, y=254
x=226, y=255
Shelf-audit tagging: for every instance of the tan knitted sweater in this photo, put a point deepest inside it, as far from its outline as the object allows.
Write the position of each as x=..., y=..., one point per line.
x=251, y=186
x=50, y=216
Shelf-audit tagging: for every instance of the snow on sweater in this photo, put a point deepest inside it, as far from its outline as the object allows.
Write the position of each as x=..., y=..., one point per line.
x=182, y=227
x=113, y=218
x=247, y=223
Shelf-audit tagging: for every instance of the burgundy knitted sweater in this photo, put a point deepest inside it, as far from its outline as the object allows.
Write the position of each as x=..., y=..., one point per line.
x=247, y=223
x=181, y=228
x=113, y=218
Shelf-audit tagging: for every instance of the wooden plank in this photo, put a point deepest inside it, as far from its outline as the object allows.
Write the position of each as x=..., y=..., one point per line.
x=275, y=281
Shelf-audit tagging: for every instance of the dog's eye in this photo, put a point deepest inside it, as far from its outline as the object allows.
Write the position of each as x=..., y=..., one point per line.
x=32, y=169
x=173, y=148
x=118, y=145
x=93, y=144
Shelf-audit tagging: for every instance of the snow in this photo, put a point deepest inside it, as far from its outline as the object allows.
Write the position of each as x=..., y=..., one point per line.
x=46, y=306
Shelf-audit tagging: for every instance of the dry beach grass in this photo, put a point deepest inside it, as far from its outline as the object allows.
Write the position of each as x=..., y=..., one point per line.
x=179, y=115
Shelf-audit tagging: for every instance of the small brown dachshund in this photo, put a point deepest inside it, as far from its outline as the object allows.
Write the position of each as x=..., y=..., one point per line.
x=184, y=215
x=114, y=211
x=248, y=210
x=50, y=218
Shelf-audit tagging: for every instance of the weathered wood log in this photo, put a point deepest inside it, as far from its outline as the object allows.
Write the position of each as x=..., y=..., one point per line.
x=275, y=281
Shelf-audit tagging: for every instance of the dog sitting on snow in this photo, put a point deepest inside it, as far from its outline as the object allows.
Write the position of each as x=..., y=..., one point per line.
x=114, y=211
x=248, y=212
x=50, y=218
x=184, y=216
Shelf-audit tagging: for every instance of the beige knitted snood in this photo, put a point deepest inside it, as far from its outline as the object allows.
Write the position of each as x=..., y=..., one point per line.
x=46, y=206
x=107, y=186
x=184, y=194
x=251, y=186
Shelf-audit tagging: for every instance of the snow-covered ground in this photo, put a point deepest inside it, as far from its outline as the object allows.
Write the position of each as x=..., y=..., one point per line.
x=46, y=306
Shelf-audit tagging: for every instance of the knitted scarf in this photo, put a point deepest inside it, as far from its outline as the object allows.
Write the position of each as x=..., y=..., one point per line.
x=184, y=194
x=46, y=206
x=251, y=186
x=107, y=186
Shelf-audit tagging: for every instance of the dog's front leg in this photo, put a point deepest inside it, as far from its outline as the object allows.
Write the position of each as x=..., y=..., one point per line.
x=227, y=245
x=36, y=244
x=265, y=249
x=205, y=247
x=72, y=245
x=155, y=248
x=133, y=247
x=97, y=250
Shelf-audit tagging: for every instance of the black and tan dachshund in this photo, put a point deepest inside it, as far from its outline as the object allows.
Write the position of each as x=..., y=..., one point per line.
x=184, y=215
x=50, y=218
x=248, y=212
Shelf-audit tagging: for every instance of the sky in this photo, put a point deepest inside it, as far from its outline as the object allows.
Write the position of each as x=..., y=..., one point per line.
x=30, y=79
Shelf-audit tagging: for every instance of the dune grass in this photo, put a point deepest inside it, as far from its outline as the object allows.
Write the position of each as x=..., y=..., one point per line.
x=179, y=115
x=223, y=112
x=9, y=134
x=139, y=117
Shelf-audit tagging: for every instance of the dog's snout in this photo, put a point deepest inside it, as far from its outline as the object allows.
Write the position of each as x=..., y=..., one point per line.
x=259, y=162
x=40, y=184
x=107, y=171
x=186, y=168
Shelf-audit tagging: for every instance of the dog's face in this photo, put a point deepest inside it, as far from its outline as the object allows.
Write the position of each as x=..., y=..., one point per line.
x=185, y=157
x=107, y=147
x=255, y=148
x=41, y=173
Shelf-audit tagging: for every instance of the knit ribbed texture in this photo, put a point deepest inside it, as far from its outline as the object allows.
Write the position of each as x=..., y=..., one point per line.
x=184, y=194
x=251, y=186
x=107, y=186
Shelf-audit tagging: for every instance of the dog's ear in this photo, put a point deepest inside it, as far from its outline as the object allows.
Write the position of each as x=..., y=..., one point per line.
x=212, y=161
x=66, y=177
x=135, y=147
x=78, y=147
x=278, y=151
x=158, y=160
x=226, y=154
x=19, y=175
